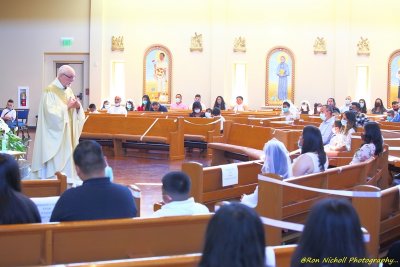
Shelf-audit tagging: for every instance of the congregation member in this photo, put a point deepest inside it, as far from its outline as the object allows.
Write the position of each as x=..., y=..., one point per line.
x=390, y=115
x=289, y=111
x=216, y=113
x=92, y=108
x=59, y=126
x=337, y=137
x=373, y=143
x=378, y=108
x=234, y=238
x=157, y=107
x=9, y=114
x=332, y=230
x=305, y=108
x=97, y=198
x=117, y=108
x=343, y=138
x=220, y=103
x=208, y=113
x=331, y=102
x=317, y=108
x=277, y=161
x=178, y=105
x=175, y=193
x=239, y=106
x=197, y=98
x=129, y=105
x=361, y=118
x=197, y=111
x=106, y=105
x=325, y=127
x=395, y=106
x=347, y=104
x=15, y=207
x=146, y=104
x=363, y=106
x=313, y=158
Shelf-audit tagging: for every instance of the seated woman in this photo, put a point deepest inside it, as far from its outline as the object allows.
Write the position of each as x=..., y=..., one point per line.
x=220, y=103
x=332, y=230
x=313, y=157
x=276, y=161
x=343, y=139
x=15, y=208
x=305, y=108
x=129, y=105
x=373, y=143
x=235, y=238
x=289, y=111
x=378, y=108
x=208, y=113
x=106, y=105
x=196, y=110
x=146, y=104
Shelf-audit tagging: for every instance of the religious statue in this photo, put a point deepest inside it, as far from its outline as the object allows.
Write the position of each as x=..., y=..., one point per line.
x=320, y=46
x=117, y=43
x=197, y=43
x=363, y=47
x=239, y=44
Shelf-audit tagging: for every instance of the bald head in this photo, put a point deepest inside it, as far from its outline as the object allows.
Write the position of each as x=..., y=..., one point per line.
x=66, y=75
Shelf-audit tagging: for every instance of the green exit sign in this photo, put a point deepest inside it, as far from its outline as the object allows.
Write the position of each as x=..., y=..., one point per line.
x=66, y=41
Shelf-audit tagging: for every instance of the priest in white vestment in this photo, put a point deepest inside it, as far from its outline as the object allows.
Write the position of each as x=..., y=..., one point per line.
x=60, y=123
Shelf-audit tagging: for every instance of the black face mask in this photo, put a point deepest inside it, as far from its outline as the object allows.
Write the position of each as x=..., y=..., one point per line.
x=396, y=109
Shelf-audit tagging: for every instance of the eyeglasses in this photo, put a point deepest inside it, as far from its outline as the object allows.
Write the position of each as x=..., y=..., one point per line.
x=69, y=77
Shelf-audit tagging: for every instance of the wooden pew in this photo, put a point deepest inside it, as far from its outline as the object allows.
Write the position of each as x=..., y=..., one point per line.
x=207, y=182
x=239, y=141
x=279, y=256
x=389, y=217
x=85, y=241
x=45, y=187
x=281, y=202
x=137, y=132
x=200, y=131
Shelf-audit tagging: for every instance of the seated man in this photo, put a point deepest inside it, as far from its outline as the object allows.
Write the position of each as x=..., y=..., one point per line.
x=197, y=98
x=175, y=193
x=97, y=198
x=9, y=114
x=155, y=106
x=117, y=108
x=325, y=127
x=178, y=103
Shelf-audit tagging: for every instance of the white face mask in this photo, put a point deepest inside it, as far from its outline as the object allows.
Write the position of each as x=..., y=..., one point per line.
x=177, y=100
x=362, y=104
x=197, y=110
x=129, y=106
x=304, y=107
x=347, y=102
x=208, y=115
x=319, y=109
x=107, y=106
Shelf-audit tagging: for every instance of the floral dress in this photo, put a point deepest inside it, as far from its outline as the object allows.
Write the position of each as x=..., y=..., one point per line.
x=366, y=152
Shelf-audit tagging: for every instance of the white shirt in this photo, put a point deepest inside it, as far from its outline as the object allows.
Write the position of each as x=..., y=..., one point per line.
x=7, y=113
x=117, y=110
x=184, y=207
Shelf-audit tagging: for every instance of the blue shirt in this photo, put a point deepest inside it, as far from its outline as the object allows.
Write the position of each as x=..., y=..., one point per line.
x=96, y=199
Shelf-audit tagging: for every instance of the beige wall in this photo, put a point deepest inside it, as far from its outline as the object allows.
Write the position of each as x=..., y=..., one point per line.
x=31, y=32
x=28, y=30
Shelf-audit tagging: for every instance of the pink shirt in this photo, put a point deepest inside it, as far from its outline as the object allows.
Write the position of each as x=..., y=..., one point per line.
x=178, y=106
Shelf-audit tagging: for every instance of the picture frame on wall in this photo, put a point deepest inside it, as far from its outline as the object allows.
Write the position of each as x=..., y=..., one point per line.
x=393, y=84
x=280, y=76
x=157, y=74
x=23, y=97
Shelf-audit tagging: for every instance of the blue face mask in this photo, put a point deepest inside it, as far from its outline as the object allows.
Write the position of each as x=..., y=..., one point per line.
x=144, y=102
x=389, y=118
x=285, y=109
x=299, y=144
x=322, y=116
x=344, y=122
x=108, y=172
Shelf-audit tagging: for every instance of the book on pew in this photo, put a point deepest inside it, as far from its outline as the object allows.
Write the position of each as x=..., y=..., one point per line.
x=45, y=206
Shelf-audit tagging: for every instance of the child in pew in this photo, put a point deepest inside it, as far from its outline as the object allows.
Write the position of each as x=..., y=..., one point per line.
x=313, y=158
x=332, y=230
x=276, y=160
x=175, y=194
x=234, y=238
x=373, y=143
x=15, y=207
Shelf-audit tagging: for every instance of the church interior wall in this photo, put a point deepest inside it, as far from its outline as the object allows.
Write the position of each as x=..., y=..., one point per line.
x=28, y=33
